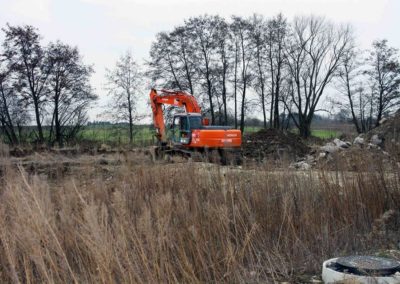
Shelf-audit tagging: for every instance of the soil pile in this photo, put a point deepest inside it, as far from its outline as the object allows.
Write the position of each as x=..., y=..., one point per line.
x=273, y=143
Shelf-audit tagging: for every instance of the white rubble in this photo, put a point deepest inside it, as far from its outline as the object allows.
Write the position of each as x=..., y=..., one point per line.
x=359, y=140
x=373, y=146
x=341, y=144
x=382, y=121
x=329, y=148
x=310, y=159
x=302, y=165
x=376, y=140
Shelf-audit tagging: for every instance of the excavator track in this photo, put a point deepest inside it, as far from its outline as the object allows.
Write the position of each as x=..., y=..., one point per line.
x=215, y=156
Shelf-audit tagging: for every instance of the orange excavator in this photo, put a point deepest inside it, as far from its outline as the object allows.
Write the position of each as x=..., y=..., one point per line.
x=189, y=132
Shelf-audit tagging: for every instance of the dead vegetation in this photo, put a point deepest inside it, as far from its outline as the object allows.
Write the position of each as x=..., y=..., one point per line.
x=112, y=215
x=134, y=221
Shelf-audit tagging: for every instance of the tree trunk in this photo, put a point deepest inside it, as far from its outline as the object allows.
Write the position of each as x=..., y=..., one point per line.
x=276, y=105
x=130, y=120
x=243, y=109
x=210, y=99
x=6, y=132
x=130, y=128
x=224, y=96
x=49, y=139
x=225, y=107
x=262, y=86
x=38, y=122
x=244, y=79
x=235, y=85
x=305, y=129
x=271, y=112
x=11, y=132
x=380, y=108
x=355, y=121
x=263, y=109
x=58, y=124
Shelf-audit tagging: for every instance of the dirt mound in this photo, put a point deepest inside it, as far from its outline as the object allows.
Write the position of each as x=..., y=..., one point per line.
x=272, y=143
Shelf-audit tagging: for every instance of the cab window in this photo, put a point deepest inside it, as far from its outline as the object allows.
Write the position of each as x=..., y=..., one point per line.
x=184, y=123
x=195, y=122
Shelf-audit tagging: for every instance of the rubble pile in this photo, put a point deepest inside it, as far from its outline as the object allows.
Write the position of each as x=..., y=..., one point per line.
x=273, y=144
x=379, y=147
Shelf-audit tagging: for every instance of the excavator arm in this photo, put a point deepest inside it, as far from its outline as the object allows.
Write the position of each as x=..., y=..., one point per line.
x=175, y=98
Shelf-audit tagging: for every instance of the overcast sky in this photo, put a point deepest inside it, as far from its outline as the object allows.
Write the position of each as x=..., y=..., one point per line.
x=103, y=29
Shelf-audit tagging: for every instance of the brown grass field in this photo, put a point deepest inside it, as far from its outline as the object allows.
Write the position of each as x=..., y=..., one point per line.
x=123, y=219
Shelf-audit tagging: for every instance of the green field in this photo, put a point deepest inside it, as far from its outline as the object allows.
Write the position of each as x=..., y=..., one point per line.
x=118, y=134
x=144, y=134
x=319, y=133
x=325, y=134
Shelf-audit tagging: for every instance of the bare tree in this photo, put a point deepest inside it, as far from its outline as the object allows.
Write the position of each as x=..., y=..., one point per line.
x=314, y=54
x=258, y=37
x=163, y=65
x=204, y=35
x=349, y=78
x=276, y=43
x=12, y=112
x=70, y=92
x=384, y=78
x=123, y=84
x=183, y=51
x=236, y=78
x=224, y=57
x=241, y=29
x=27, y=58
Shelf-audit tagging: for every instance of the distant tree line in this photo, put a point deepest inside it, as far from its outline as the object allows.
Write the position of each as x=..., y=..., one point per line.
x=291, y=66
x=45, y=84
x=279, y=70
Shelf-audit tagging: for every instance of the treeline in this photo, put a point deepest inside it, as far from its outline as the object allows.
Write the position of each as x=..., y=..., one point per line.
x=291, y=66
x=280, y=70
x=47, y=85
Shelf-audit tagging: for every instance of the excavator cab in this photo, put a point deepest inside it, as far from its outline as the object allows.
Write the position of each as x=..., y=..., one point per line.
x=182, y=127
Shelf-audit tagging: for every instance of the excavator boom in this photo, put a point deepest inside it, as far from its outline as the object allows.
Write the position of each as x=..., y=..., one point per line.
x=175, y=98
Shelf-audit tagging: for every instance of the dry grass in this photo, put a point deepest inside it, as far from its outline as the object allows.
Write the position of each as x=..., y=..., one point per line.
x=189, y=223
x=4, y=150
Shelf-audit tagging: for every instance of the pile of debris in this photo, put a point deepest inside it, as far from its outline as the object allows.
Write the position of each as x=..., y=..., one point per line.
x=379, y=147
x=387, y=135
x=273, y=144
x=343, y=155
